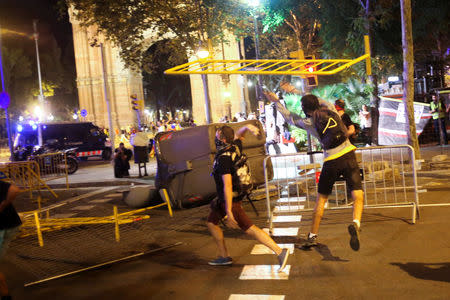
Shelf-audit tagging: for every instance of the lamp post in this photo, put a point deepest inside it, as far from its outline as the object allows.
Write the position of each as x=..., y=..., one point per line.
x=108, y=104
x=203, y=54
x=36, y=38
x=6, y=104
x=255, y=4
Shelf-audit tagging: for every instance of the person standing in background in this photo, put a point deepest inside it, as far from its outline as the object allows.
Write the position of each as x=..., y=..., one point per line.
x=437, y=111
x=365, y=119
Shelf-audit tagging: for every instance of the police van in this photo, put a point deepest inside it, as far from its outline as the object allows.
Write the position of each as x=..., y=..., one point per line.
x=89, y=140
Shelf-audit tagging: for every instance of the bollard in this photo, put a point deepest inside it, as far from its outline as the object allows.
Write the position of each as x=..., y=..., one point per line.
x=38, y=229
x=116, y=221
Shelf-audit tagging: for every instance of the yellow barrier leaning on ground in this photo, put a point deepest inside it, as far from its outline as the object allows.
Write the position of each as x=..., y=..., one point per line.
x=35, y=225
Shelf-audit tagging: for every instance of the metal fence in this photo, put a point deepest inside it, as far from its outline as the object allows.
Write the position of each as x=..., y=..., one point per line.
x=27, y=176
x=52, y=166
x=388, y=173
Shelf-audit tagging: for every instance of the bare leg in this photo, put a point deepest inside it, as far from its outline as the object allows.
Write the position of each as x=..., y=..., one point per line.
x=3, y=286
x=358, y=204
x=318, y=212
x=265, y=239
x=217, y=234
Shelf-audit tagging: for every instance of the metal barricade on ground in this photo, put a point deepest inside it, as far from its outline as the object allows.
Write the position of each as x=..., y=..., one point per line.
x=51, y=245
x=388, y=172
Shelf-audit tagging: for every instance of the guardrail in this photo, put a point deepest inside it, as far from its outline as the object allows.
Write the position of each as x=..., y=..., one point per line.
x=52, y=166
x=26, y=175
x=388, y=172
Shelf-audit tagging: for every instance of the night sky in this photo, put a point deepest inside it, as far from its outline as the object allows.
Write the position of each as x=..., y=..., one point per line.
x=18, y=15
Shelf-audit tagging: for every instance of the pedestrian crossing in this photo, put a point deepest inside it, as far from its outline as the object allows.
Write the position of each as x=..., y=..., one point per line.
x=256, y=297
x=270, y=272
x=264, y=272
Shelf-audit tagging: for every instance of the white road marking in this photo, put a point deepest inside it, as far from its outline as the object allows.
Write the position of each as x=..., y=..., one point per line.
x=287, y=219
x=289, y=231
x=261, y=249
x=100, y=200
x=288, y=208
x=61, y=216
x=252, y=272
x=83, y=207
x=113, y=195
x=291, y=199
x=255, y=297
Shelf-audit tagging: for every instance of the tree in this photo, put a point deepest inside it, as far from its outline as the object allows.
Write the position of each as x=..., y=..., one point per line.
x=408, y=75
x=186, y=23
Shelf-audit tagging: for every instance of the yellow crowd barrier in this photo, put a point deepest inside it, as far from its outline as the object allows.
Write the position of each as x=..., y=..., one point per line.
x=26, y=175
x=34, y=224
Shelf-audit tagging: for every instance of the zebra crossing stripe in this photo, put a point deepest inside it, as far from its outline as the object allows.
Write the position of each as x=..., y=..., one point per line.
x=264, y=272
x=279, y=219
x=291, y=199
x=83, y=207
x=288, y=231
x=62, y=216
x=101, y=200
x=288, y=208
x=261, y=249
x=113, y=195
x=255, y=297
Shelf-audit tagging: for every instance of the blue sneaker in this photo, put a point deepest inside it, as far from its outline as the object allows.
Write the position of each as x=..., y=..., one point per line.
x=282, y=259
x=221, y=261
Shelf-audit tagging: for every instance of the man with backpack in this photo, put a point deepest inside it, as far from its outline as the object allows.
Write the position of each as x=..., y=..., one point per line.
x=324, y=123
x=229, y=191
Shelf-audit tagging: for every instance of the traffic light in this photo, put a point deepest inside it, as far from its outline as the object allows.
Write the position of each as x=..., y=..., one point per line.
x=136, y=104
x=311, y=80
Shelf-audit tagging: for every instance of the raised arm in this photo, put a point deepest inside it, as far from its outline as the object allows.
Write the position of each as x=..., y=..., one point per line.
x=239, y=134
x=290, y=117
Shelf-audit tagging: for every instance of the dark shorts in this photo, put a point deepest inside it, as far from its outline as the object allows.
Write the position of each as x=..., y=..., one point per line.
x=345, y=166
x=6, y=236
x=217, y=213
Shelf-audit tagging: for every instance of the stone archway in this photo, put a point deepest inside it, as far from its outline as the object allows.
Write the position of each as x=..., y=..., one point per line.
x=226, y=92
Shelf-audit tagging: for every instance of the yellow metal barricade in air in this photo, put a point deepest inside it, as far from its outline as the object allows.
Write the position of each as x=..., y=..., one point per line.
x=295, y=67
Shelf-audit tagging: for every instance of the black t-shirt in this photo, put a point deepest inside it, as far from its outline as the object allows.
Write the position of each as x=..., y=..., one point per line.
x=225, y=166
x=348, y=122
x=8, y=217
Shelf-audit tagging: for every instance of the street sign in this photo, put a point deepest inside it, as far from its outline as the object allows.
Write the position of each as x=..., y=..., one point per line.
x=83, y=113
x=4, y=100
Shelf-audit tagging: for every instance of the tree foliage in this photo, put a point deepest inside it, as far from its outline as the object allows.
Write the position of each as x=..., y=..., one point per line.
x=186, y=23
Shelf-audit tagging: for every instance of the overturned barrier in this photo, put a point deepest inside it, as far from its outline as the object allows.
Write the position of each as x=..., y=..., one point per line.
x=388, y=173
x=55, y=242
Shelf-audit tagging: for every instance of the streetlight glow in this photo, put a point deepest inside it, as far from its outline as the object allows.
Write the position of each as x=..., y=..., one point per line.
x=202, y=53
x=253, y=3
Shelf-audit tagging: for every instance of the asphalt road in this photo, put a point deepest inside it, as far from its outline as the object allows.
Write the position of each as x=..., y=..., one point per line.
x=397, y=260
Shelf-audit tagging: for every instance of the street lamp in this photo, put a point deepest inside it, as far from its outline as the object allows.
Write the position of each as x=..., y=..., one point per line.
x=203, y=54
x=5, y=102
x=255, y=4
x=36, y=38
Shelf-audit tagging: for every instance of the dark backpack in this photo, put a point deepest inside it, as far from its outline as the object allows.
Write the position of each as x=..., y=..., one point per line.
x=329, y=126
x=241, y=175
